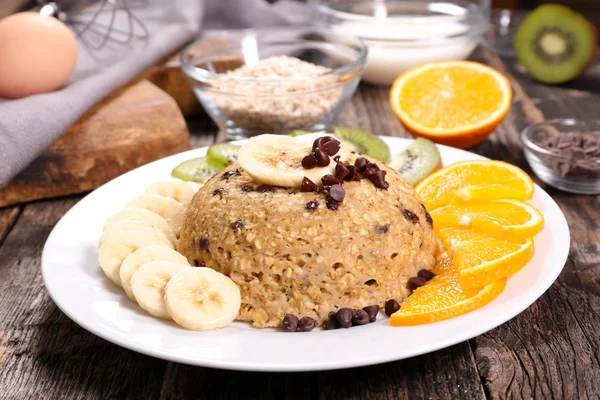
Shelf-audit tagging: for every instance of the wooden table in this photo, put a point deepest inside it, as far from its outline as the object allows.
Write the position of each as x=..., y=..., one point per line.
x=551, y=350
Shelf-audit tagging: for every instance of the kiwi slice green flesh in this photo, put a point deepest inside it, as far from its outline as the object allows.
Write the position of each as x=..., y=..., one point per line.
x=223, y=153
x=364, y=142
x=555, y=44
x=299, y=132
x=198, y=170
x=418, y=160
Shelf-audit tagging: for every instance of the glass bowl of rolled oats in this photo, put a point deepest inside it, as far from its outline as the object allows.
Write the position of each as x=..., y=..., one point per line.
x=274, y=80
x=565, y=153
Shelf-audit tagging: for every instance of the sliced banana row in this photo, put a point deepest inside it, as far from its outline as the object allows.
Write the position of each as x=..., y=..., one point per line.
x=137, y=252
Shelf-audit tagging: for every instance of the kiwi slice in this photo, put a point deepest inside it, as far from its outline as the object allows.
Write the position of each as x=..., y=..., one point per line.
x=223, y=153
x=198, y=170
x=418, y=160
x=299, y=132
x=364, y=142
x=555, y=44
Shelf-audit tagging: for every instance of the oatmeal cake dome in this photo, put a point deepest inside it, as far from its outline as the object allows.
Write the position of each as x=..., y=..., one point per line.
x=287, y=258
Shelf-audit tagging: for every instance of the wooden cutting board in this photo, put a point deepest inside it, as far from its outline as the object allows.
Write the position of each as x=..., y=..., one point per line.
x=133, y=127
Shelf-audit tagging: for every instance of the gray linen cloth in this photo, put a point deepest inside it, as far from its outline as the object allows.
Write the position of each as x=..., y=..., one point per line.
x=28, y=126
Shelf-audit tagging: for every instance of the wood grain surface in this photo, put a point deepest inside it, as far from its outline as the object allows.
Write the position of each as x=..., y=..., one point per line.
x=133, y=127
x=550, y=351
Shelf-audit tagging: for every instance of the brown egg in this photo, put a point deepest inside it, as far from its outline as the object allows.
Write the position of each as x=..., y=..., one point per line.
x=37, y=54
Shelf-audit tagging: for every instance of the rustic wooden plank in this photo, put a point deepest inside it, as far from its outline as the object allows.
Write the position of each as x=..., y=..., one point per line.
x=446, y=374
x=8, y=217
x=550, y=350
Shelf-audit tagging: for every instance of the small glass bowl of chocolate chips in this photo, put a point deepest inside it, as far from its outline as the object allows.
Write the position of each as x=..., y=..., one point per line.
x=565, y=153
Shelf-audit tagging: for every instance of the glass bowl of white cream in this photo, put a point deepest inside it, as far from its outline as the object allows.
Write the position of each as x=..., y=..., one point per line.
x=404, y=34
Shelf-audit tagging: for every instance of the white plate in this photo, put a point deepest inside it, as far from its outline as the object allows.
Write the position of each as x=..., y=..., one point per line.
x=80, y=289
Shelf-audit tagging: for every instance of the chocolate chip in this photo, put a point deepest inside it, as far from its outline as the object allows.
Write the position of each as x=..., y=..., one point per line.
x=378, y=179
x=198, y=264
x=265, y=188
x=290, y=323
x=370, y=169
x=204, y=244
x=391, y=306
x=331, y=324
x=229, y=174
x=239, y=224
x=322, y=157
x=330, y=180
x=352, y=175
x=312, y=205
x=219, y=191
x=337, y=192
x=410, y=216
x=361, y=164
x=331, y=147
x=381, y=229
x=321, y=141
x=332, y=204
x=309, y=162
x=416, y=282
x=308, y=185
x=337, y=159
x=372, y=311
x=341, y=172
x=360, y=317
x=307, y=324
x=344, y=317
x=426, y=274
x=246, y=188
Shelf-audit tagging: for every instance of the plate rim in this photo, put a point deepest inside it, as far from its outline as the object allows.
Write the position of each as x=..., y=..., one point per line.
x=128, y=343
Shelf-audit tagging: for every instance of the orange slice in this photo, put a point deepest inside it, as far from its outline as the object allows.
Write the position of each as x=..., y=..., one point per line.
x=503, y=219
x=442, y=298
x=474, y=180
x=457, y=103
x=481, y=259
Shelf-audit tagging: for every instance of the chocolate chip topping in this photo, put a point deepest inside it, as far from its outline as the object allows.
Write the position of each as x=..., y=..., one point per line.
x=426, y=274
x=336, y=159
x=330, y=180
x=290, y=323
x=352, y=174
x=410, y=216
x=378, y=179
x=308, y=185
x=332, y=323
x=306, y=324
x=344, y=317
x=391, y=306
x=360, y=317
x=331, y=147
x=204, y=244
x=312, y=205
x=361, y=164
x=372, y=311
x=265, y=188
x=309, y=161
x=576, y=154
x=416, y=282
x=322, y=157
x=320, y=142
x=219, y=191
x=246, y=188
x=337, y=192
x=370, y=169
x=341, y=172
x=239, y=224
x=229, y=174
x=332, y=204
x=381, y=229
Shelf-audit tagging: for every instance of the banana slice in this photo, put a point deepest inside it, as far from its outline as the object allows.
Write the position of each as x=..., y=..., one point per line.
x=202, y=299
x=175, y=189
x=194, y=185
x=133, y=224
x=120, y=244
x=166, y=207
x=143, y=256
x=148, y=285
x=277, y=160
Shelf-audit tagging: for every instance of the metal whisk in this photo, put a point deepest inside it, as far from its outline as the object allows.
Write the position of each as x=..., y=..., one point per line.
x=97, y=23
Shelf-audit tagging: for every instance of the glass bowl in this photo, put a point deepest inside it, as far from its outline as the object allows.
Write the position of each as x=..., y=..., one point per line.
x=565, y=153
x=248, y=104
x=404, y=34
x=504, y=24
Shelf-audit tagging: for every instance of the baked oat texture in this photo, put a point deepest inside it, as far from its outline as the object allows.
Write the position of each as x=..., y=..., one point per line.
x=288, y=259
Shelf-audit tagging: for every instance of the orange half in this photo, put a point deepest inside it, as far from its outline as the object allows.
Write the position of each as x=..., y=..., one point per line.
x=457, y=103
